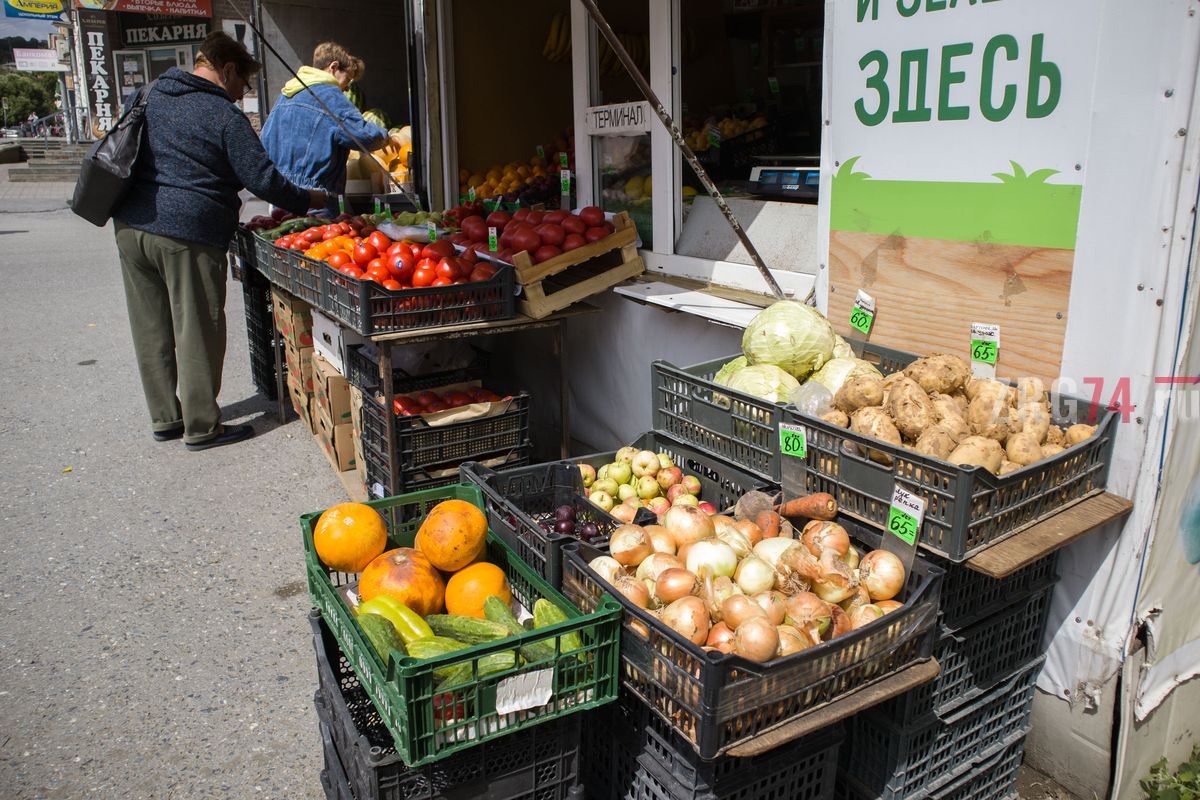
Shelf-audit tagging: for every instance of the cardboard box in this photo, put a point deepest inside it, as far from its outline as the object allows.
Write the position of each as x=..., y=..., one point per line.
x=331, y=340
x=300, y=366
x=337, y=442
x=302, y=403
x=332, y=392
x=293, y=319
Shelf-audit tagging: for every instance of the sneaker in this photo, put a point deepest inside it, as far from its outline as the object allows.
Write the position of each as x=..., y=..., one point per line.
x=168, y=435
x=228, y=435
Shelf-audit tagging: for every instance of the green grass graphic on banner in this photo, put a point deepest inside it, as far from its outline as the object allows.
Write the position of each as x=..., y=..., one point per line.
x=1020, y=209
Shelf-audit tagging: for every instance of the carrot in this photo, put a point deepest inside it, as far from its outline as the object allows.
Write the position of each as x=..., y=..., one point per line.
x=814, y=506
x=769, y=523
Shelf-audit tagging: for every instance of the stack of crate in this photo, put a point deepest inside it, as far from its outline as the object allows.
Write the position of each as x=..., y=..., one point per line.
x=260, y=332
x=293, y=320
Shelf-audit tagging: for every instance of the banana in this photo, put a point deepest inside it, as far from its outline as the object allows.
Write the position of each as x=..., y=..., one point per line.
x=553, y=40
x=564, y=44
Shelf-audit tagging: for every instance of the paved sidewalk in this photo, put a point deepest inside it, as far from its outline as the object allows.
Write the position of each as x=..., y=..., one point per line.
x=31, y=197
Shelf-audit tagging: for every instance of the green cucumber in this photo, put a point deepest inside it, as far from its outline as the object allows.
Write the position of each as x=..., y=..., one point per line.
x=545, y=614
x=487, y=665
x=382, y=635
x=498, y=611
x=471, y=630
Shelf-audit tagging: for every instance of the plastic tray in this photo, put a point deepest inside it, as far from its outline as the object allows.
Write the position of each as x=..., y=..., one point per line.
x=420, y=446
x=466, y=715
x=892, y=761
x=519, y=499
x=734, y=426
x=368, y=308
x=716, y=701
x=540, y=763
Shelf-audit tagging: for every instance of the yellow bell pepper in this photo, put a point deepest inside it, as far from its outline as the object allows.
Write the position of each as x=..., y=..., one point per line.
x=407, y=622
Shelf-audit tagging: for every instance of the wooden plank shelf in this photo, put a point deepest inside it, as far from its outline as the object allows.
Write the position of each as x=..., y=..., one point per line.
x=1043, y=538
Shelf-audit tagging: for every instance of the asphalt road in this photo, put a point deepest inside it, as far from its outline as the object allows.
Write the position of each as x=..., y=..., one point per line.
x=153, y=640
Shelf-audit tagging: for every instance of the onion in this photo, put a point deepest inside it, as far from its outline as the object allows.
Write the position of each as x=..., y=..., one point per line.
x=688, y=525
x=806, y=611
x=756, y=639
x=852, y=557
x=738, y=608
x=607, y=568
x=888, y=606
x=859, y=598
x=840, y=622
x=687, y=617
x=751, y=531
x=722, y=523
x=818, y=535
x=716, y=591
x=661, y=539
x=864, y=615
x=769, y=550
x=774, y=603
x=720, y=638
x=716, y=557
x=882, y=573
x=836, y=581
x=673, y=584
x=792, y=640
x=731, y=536
x=753, y=575
x=655, y=564
x=629, y=545
x=634, y=590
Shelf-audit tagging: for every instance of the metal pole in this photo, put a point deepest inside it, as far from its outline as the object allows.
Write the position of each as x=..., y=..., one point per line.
x=607, y=32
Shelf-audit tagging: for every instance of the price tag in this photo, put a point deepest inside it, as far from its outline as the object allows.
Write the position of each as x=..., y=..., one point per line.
x=564, y=177
x=863, y=313
x=471, y=194
x=773, y=85
x=541, y=152
x=378, y=205
x=985, y=349
x=714, y=137
x=341, y=204
x=792, y=441
x=492, y=240
x=524, y=691
x=562, y=160
x=432, y=229
x=904, y=524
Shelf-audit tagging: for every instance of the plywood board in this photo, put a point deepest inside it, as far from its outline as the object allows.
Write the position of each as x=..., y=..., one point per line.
x=929, y=291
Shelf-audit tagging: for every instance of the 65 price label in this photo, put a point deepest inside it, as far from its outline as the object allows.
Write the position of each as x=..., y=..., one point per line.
x=905, y=515
x=793, y=441
x=983, y=350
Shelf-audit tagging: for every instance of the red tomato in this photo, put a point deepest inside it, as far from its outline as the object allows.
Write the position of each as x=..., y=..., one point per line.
x=427, y=397
x=439, y=249
x=345, y=228
x=457, y=398
x=339, y=259
x=573, y=241
x=407, y=403
x=468, y=257
x=573, y=224
x=402, y=267
x=423, y=276
x=595, y=234
x=441, y=282
x=555, y=217
x=353, y=272
x=448, y=268
x=312, y=235
x=364, y=253
x=376, y=263
x=482, y=272
x=392, y=285
x=592, y=216
x=379, y=274
x=330, y=233
x=437, y=405
x=398, y=247
x=535, y=217
x=416, y=249
x=379, y=241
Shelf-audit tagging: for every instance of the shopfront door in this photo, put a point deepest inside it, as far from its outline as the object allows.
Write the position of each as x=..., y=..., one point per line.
x=130, y=71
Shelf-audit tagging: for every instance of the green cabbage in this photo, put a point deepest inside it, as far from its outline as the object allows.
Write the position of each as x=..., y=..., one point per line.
x=839, y=370
x=766, y=381
x=726, y=372
x=842, y=348
x=792, y=336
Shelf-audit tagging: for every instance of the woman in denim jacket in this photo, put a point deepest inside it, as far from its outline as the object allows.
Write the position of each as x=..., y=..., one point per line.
x=308, y=147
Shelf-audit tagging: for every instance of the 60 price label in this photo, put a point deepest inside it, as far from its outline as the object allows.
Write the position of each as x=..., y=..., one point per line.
x=860, y=320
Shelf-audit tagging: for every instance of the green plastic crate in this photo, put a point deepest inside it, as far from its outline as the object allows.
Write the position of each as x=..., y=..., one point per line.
x=431, y=722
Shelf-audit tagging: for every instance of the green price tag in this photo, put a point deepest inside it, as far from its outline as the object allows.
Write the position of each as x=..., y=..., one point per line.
x=905, y=515
x=341, y=203
x=562, y=160
x=714, y=137
x=471, y=194
x=792, y=441
x=432, y=232
x=773, y=84
x=541, y=152
x=378, y=206
x=903, y=524
x=860, y=320
x=984, y=350
x=493, y=240
x=565, y=179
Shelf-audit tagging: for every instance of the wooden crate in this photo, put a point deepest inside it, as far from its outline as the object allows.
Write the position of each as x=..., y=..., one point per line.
x=566, y=279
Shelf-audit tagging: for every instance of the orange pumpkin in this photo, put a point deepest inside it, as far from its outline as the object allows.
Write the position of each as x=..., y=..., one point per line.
x=453, y=535
x=349, y=536
x=470, y=587
x=406, y=575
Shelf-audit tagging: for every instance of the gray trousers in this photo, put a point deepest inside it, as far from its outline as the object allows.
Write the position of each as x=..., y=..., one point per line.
x=175, y=292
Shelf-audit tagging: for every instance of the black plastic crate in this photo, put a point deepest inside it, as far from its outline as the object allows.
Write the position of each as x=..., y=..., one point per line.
x=362, y=370
x=969, y=597
x=715, y=701
x=305, y=277
x=260, y=334
x=893, y=761
x=538, y=763
x=630, y=752
x=333, y=777
x=420, y=446
x=368, y=308
x=519, y=500
x=273, y=263
x=993, y=778
x=414, y=480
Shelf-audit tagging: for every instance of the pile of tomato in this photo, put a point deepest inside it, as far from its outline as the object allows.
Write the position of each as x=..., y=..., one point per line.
x=428, y=402
x=366, y=254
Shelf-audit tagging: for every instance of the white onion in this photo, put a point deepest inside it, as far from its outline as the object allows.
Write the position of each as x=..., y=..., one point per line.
x=769, y=550
x=741, y=544
x=607, y=568
x=673, y=584
x=629, y=545
x=687, y=617
x=688, y=525
x=852, y=557
x=888, y=606
x=792, y=640
x=882, y=573
x=655, y=564
x=661, y=539
x=716, y=557
x=756, y=639
x=715, y=591
x=839, y=622
x=753, y=575
x=806, y=611
x=723, y=523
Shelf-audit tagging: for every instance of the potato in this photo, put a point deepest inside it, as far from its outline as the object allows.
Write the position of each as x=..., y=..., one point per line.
x=1055, y=435
x=1023, y=448
x=989, y=388
x=936, y=441
x=1030, y=390
x=1033, y=418
x=979, y=451
x=945, y=405
x=1051, y=450
x=939, y=373
x=836, y=417
x=988, y=416
x=1007, y=466
x=1079, y=433
x=874, y=421
x=858, y=392
x=910, y=408
x=957, y=426
x=889, y=382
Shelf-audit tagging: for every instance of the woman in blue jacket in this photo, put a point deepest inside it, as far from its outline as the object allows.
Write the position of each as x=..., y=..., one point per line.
x=308, y=147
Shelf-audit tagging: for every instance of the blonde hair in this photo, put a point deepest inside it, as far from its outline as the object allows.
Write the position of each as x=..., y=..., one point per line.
x=328, y=52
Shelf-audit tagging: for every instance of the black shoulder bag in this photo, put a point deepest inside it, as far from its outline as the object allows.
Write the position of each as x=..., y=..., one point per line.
x=107, y=170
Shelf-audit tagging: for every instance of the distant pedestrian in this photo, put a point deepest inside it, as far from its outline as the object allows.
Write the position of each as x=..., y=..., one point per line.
x=173, y=231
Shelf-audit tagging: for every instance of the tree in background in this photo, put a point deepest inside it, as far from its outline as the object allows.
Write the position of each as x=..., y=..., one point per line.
x=27, y=92
x=9, y=42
